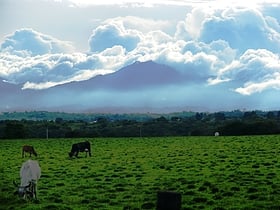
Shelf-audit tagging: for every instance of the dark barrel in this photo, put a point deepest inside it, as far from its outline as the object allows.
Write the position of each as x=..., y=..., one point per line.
x=168, y=201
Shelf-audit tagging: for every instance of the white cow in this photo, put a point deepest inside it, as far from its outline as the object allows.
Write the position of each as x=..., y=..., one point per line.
x=30, y=173
x=30, y=170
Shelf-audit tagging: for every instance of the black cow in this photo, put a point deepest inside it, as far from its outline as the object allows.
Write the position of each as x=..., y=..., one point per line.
x=80, y=147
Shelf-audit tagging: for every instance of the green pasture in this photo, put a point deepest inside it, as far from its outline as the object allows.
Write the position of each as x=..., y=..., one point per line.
x=126, y=173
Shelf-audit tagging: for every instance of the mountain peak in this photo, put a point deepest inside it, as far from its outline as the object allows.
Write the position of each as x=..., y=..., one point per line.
x=143, y=75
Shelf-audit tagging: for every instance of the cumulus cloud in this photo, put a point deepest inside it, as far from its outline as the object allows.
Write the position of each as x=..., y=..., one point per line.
x=242, y=28
x=251, y=87
x=26, y=42
x=144, y=25
x=39, y=61
x=109, y=35
x=192, y=26
x=243, y=42
x=255, y=71
x=44, y=71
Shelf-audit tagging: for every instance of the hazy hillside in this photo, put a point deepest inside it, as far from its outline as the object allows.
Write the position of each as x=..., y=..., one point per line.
x=138, y=88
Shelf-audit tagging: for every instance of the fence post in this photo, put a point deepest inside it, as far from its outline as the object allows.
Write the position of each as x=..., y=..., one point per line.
x=168, y=201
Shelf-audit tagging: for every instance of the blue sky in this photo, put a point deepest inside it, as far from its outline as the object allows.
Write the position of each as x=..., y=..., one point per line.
x=233, y=45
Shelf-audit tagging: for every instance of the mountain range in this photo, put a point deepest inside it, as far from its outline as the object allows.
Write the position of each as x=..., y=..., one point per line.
x=93, y=94
x=137, y=88
x=139, y=75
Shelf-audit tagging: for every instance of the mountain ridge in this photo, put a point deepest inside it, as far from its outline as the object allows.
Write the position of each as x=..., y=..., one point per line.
x=77, y=95
x=138, y=75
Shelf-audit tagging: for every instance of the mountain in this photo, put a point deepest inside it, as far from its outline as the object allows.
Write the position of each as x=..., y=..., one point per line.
x=7, y=88
x=10, y=94
x=139, y=87
x=142, y=75
x=98, y=93
x=139, y=75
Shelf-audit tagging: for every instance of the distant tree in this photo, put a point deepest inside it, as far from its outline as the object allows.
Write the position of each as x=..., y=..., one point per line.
x=161, y=119
x=58, y=120
x=14, y=130
x=199, y=116
x=174, y=119
x=219, y=116
x=278, y=114
x=235, y=127
x=270, y=115
x=250, y=115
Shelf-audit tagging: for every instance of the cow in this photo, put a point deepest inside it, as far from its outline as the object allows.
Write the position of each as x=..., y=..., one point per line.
x=30, y=173
x=80, y=147
x=28, y=149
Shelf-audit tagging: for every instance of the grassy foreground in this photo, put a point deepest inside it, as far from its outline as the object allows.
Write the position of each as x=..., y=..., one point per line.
x=126, y=173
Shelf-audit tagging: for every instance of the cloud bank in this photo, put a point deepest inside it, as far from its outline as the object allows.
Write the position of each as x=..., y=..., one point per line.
x=27, y=42
x=107, y=36
x=237, y=48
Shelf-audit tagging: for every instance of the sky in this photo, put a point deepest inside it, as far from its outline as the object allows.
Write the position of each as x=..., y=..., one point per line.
x=233, y=45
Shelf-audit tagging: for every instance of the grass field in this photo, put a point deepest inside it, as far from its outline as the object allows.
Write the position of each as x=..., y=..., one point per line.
x=126, y=173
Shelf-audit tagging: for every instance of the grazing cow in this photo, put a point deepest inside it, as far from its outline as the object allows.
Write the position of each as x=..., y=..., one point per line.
x=30, y=173
x=80, y=147
x=28, y=149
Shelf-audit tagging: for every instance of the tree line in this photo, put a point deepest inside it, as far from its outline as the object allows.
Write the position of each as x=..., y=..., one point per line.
x=196, y=124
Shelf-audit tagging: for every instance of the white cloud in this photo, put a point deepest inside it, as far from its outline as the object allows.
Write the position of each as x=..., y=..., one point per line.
x=41, y=61
x=255, y=71
x=44, y=71
x=143, y=25
x=242, y=28
x=195, y=20
x=82, y=75
x=250, y=88
x=109, y=35
x=29, y=42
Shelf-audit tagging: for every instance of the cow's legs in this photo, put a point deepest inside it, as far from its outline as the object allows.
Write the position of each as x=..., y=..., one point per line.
x=34, y=190
x=89, y=153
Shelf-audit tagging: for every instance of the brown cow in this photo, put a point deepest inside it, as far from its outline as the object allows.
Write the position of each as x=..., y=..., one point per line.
x=29, y=149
